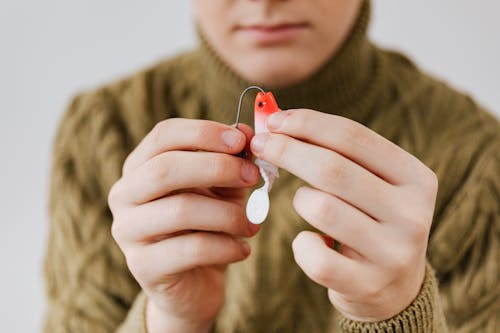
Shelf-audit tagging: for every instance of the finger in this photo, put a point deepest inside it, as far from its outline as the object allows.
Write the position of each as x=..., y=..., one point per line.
x=186, y=211
x=353, y=140
x=330, y=172
x=338, y=219
x=180, y=170
x=249, y=134
x=324, y=265
x=187, y=251
x=186, y=134
x=342, y=248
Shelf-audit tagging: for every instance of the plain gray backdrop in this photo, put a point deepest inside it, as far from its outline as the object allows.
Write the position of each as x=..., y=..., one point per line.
x=51, y=49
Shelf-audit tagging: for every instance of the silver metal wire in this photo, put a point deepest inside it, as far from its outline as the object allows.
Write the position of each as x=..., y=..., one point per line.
x=241, y=101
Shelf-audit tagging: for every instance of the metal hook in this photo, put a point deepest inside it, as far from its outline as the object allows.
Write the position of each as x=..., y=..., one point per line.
x=241, y=101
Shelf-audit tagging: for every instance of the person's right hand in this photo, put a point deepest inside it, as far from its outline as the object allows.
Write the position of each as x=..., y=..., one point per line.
x=179, y=215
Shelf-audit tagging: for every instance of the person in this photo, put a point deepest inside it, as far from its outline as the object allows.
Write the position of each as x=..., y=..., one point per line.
x=148, y=229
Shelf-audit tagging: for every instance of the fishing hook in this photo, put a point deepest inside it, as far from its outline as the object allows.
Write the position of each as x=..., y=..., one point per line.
x=241, y=101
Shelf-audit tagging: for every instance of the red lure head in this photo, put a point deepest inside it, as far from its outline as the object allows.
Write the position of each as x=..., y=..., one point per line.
x=265, y=104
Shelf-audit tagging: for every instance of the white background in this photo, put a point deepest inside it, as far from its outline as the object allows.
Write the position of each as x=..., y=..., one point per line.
x=51, y=49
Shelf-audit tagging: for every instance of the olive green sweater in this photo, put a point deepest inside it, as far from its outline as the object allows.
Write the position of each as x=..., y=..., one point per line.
x=88, y=284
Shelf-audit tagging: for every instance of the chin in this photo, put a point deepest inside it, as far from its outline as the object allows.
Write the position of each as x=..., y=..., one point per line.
x=276, y=68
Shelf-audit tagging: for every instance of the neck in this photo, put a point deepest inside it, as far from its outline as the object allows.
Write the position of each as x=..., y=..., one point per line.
x=343, y=85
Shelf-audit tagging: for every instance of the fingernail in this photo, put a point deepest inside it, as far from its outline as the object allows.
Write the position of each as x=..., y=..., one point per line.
x=245, y=247
x=259, y=141
x=248, y=172
x=231, y=138
x=276, y=119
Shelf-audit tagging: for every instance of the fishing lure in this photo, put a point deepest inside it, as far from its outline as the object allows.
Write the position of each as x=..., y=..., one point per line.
x=258, y=202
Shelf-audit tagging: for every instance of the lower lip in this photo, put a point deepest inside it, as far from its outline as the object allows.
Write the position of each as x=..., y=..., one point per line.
x=272, y=36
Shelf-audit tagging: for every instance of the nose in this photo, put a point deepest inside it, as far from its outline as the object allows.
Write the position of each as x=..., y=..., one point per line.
x=267, y=7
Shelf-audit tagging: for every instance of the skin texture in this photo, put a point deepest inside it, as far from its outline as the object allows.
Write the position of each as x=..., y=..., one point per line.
x=381, y=212
x=276, y=63
x=165, y=204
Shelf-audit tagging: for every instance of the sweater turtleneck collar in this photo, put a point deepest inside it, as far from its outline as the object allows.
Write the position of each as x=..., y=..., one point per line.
x=344, y=85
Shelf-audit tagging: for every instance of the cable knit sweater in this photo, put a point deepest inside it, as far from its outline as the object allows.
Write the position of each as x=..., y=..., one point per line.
x=88, y=284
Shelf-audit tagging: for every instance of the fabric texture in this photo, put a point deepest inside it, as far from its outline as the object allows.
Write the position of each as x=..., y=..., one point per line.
x=90, y=289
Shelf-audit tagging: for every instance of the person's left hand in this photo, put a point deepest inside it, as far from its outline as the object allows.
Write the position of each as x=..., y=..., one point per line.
x=372, y=196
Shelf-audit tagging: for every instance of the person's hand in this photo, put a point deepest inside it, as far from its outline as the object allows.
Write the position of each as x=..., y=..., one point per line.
x=373, y=197
x=179, y=215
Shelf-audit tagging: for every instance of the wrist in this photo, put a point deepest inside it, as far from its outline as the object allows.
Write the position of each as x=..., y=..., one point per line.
x=424, y=314
x=384, y=301
x=157, y=321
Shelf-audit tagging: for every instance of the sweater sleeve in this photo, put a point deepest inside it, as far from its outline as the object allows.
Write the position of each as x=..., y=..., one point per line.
x=461, y=294
x=88, y=285
x=424, y=314
x=135, y=322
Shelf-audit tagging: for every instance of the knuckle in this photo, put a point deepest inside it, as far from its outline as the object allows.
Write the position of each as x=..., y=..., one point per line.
x=297, y=119
x=126, y=165
x=406, y=218
x=233, y=248
x=334, y=172
x=355, y=134
x=114, y=195
x=116, y=231
x=196, y=248
x=181, y=208
x=160, y=168
x=156, y=132
x=324, y=209
x=299, y=198
x=219, y=166
x=419, y=232
x=121, y=232
x=236, y=220
x=400, y=260
x=135, y=263
x=426, y=179
x=279, y=147
x=409, y=213
x=432, y=182
x=372, y=290
x=201, y=132
x=417, y=222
